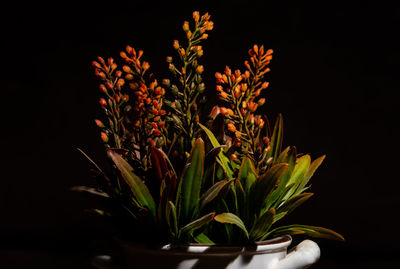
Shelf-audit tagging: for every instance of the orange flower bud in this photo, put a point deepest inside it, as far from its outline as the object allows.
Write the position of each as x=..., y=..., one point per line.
x=261, y=101
x=168, y=59
x=225, y=78
x=219, y=88
x=230, y=112
x=155, y=111
x=224, y=111
x=196, y=16
x=182, y=51
x=156, y=118
x=99, y=123
x=118, y=73
x=145, y=65
x=247, y=74
x=121, y=82
x=161, y=124
x=103, y=102
x=265, y=85
x=129, y=76
x=266, y=140
x=126, y=69
x=228, y=71
x=140, y=53
x=204, y=36
x=176, y=44
x=243, y=112
x=163, y=112
x=269, y=52
x=243, y=87
x=237, y=92
x=154, y=125
x=117, y=98
x=231, y=127
x=100, y=59
x=234, y=157
x=238, y=79
x=104, y=137
x=200, y=53
x=255, y=49
x=244, y=104
x=268, y=58
x=218, y=75
x=123, y=55
x=200, y=69
x=188, y=34
x=148, y=101
x=223, y=95
x=185, y=26
x=110, y=61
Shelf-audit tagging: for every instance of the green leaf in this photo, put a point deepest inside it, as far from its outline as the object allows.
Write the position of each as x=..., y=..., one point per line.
x=287, y=156
x=89, y=190
x=232, y=219
x=191, y=181
x=90, y=160
x=247, y=173
x=313, y=167
x=241, y=201
x=224, y=160
x=212, y=192
x=264, y=185
x=312, y=231
x=196, y=224
x=171, y=218
x=300, y=169
x=276, y=139
x=262, y=225
x=203, y=239
x=138, y=188
x=293, y=202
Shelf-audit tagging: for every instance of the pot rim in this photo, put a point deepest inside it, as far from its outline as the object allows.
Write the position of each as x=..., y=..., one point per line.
x=273, y=245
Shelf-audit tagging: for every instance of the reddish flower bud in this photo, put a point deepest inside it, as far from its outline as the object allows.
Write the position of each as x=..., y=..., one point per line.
x=103, y=102
x=218, y=75
x=219, y=88
x=100, y=59
x=214, y=112
x=109, y=85
x=99, y=123
x=234, y=157
x=261, y=101
x=163, y=112
x=96, y=64
x=156, y=132
x=161, y=124
x=103, y=88
x=155, y=111
x=117, y=98
x=129, y=76
x=224, y=111
x=104, y=137
x=227, y=71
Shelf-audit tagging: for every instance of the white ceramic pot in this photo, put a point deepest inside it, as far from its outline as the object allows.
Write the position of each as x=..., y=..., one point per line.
x=270, y=254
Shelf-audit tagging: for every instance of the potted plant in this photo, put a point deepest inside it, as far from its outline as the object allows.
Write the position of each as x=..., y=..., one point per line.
x=193, y=193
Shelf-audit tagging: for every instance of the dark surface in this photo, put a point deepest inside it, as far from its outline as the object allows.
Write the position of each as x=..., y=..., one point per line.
x=334, y=77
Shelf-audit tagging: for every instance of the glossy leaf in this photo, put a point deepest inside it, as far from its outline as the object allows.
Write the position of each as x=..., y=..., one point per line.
x=198, y=223
x=247, y=173
x=293, y=202
x=191, y=180
x=138, y=188
x=212, y=192
x=312, y=231
x=224, y=161
x=287, y=156
x=232, y=219
x=265, y=184
x=171, y=218
x=310, y=172
x=300, y=170
x=276, y=139
x=89, y=190
x=203, y=239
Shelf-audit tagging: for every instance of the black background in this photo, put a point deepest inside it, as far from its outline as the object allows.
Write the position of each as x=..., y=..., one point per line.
x=334, y=78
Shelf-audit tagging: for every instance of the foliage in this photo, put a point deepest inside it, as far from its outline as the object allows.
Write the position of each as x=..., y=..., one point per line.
x=174, y=179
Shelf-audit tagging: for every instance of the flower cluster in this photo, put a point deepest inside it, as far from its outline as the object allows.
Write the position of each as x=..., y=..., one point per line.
x=241, y=91
x=187, y=86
